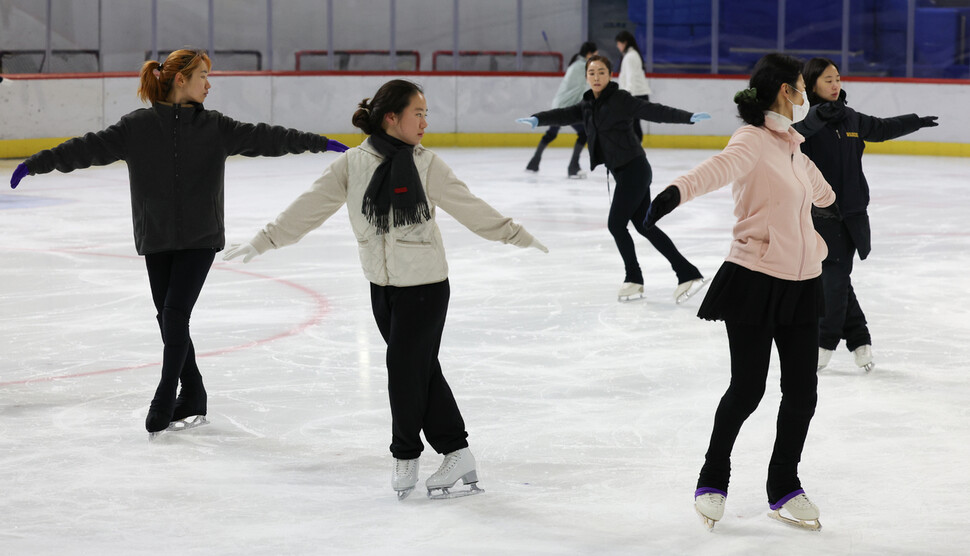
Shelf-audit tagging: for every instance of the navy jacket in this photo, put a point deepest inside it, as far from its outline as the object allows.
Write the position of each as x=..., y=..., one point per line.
x=176, y=157
x=836, y=148
x=609, y=123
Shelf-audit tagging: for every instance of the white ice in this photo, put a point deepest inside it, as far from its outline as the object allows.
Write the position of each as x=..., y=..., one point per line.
x=589, y=418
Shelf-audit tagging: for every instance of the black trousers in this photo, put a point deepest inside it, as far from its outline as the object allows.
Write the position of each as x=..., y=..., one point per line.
x=843, y=318
x=411, y=320
x=631, y=199
x=750, y=353
x=176, y=279
x=551, y=133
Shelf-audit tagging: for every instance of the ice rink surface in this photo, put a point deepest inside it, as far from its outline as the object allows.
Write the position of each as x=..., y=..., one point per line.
x=589, y=418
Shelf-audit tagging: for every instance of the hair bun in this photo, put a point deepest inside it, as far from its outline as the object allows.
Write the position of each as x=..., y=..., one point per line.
x=746, y=96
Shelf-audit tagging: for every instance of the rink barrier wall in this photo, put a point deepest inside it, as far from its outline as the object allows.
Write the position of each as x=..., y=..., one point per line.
x=466, y=109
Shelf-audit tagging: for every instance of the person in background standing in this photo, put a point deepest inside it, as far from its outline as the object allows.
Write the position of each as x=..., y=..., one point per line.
x=632, y=78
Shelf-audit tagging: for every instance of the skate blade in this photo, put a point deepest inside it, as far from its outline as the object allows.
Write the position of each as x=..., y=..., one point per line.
x=180, y=425
x=692, y=291
x=868, y=367
x=447, y=493
x=580, y=176
x=402, y=494
x=813, y=525
x=630, y=298
x=708, y=522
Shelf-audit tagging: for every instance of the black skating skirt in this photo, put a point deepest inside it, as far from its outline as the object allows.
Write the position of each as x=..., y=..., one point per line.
x=738, y=294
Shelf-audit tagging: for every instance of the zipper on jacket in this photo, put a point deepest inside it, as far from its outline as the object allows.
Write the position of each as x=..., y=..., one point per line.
x=178, y=211
x=801, y=232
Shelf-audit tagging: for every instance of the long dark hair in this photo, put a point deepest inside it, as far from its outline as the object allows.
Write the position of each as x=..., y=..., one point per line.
x=586, y=48
x=814, y=69
x=771, y=71
x=631, y=42
x=392, y=98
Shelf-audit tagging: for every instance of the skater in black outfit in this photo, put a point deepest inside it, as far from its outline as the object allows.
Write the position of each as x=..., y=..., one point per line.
x=835, y=138
x=570, y=92
x=608, y=114
x=176, y=154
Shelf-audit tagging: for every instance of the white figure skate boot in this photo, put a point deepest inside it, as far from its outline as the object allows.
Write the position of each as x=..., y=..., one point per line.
x=688, y=289
x=630, y=291
x=709, y=503
x=803, y=513
x=459, y=464
x=404, y=476
x=863, y=357
x=824, y=356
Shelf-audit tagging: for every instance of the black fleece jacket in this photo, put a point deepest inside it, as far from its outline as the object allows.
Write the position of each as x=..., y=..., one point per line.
x=836, y=148
x=609, y=123
x=176, y=157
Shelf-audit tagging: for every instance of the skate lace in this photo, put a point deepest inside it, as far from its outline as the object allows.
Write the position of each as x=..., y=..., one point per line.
x=451, y=461
x=402, y=466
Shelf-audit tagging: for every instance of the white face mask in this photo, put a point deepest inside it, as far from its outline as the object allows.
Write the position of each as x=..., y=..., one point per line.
x=799, y=111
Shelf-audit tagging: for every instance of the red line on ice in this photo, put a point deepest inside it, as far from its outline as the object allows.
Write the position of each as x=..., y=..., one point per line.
x=321, y=309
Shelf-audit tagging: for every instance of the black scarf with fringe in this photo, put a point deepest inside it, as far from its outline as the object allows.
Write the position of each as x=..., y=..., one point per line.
x=396, y=184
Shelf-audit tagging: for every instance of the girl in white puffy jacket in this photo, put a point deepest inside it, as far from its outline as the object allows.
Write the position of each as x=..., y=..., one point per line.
x=392, y=187
x=631, y=77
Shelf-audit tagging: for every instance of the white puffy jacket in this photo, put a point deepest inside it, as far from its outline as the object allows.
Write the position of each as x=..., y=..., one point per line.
x=406, y=255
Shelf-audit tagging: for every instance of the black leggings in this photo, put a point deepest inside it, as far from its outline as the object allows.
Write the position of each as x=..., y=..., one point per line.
x=750, y=353
x=411, y=320
x=843, y=318
x=176, y=279
x=631, y=199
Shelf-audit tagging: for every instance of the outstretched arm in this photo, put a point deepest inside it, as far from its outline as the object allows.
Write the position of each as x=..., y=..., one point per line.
x=92, y=149
x=271, y=140
x=569, y=115
x=876, y=129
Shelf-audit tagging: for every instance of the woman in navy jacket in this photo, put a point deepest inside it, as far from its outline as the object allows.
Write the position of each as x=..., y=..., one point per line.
x=608, y=114
x=835, y=137
x=176, y=154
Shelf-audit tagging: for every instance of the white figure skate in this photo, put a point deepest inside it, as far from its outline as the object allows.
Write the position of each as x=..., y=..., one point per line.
x=863, y=357
x=709, y=503
x=801, y=511
x=404, y=476
x=630, y=291
x=459, y=464
x=688, y=289
x=824, y=356
x=580, y=175
x=180, y=425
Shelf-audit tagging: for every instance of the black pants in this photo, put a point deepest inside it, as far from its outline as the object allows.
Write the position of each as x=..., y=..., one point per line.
x=750, y=353
x=843, y=318
x=631, y=199
x=176, y=279
x=411, y=320
x=549, y=137
x=636, y=123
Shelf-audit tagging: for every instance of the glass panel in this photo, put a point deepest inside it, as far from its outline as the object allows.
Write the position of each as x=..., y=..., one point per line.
x=423, y=28
x=682, y=34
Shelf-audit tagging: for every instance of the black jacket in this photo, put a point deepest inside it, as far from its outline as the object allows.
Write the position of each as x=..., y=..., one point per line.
x=836, y=148
x=176, y=159
x=609, y=122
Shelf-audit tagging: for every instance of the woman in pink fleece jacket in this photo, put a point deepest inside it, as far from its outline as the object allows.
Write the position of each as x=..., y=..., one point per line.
x=768, y=289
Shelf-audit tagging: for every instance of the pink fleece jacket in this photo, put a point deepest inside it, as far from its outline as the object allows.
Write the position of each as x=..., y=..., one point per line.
x=774, y=188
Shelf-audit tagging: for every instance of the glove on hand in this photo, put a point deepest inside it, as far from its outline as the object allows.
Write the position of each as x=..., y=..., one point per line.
x=536, y=244
x=18, y=175
x=244, y=250
x=699, y=116
x=336, y=146
x=928, y=121
x=662, y=204
x=830, y=212
x=531, y=120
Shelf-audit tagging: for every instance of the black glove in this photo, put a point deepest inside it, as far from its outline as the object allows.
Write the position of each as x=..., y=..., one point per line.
x=928, y=121
x=830, y=212
x=662, y=204
x=831, y=111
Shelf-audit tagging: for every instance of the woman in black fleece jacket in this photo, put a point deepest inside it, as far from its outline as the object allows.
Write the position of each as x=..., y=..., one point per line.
x=608, y=115
x=835, y=138
x=176, y=154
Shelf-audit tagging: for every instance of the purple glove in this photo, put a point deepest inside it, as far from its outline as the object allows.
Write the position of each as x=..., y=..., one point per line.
x=336, y=146
x=18, y=175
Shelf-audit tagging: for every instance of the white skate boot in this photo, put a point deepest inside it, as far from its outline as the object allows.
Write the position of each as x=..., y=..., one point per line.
x=803, y=512
x=824, y=356
x=687, y=289
x=863, y=357
x=709, y=503
x=459, y=464
x=580, y=175
x=630, y=291
x=404, y=476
